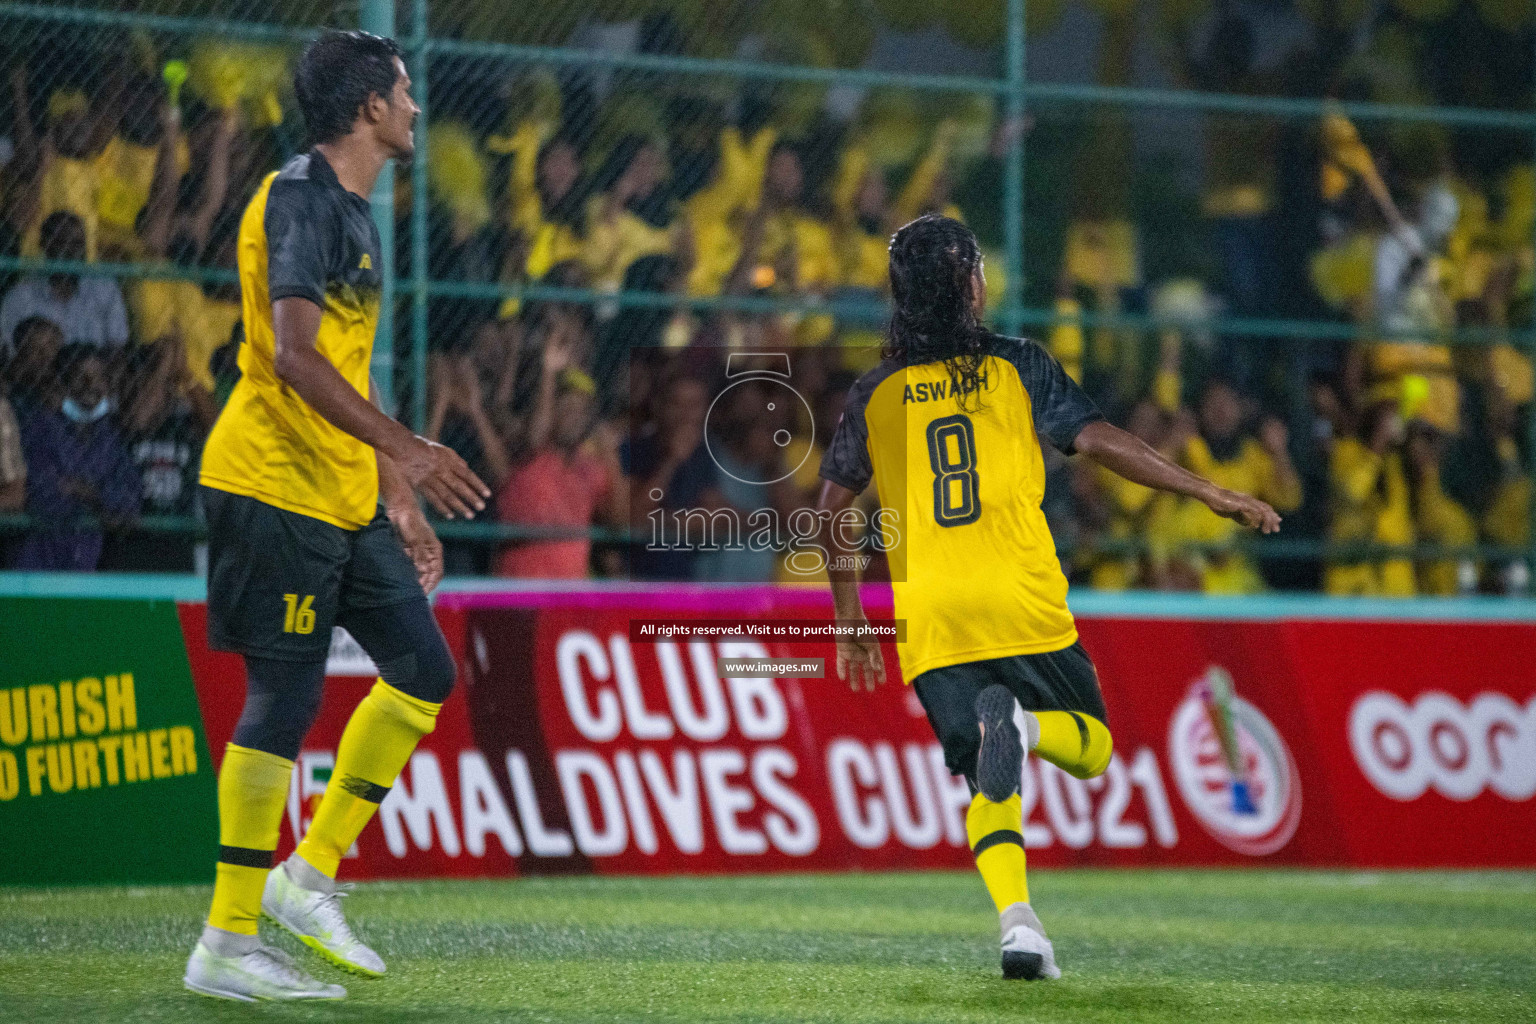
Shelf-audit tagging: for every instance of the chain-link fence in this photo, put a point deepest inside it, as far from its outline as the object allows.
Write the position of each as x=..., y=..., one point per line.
x=1288, y=243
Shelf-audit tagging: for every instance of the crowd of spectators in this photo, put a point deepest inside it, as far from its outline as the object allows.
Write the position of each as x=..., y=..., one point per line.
x=593, y=420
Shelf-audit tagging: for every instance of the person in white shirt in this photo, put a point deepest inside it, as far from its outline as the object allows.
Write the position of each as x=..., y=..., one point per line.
x=89, y=310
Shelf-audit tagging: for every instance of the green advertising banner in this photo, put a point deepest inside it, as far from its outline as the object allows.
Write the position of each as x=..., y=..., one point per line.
x=104, y=770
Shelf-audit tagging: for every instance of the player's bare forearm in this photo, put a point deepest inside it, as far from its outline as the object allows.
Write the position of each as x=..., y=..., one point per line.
x=841, y=573
x=299, y=364
x=438, y=472
x=416, y=534
x=1127, y=455
x=858, y=660
x=394, y=489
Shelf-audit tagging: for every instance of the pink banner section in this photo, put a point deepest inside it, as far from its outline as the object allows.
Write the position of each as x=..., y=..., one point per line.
x=571, y=746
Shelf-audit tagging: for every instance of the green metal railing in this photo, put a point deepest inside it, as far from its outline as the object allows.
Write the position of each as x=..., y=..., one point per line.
x=1012, y=87
x=1276, y=548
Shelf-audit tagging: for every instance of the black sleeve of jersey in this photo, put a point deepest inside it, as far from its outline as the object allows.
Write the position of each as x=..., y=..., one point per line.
x=846, y=460
x=1061, y=408
x=302, y=240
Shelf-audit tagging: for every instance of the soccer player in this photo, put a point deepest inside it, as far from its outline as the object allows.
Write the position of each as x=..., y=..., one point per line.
x=293, y=473
x=950, y=427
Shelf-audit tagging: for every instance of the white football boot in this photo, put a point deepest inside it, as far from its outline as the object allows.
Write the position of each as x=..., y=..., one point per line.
x=1027, y=953
x=315, y=918
x=263, y=973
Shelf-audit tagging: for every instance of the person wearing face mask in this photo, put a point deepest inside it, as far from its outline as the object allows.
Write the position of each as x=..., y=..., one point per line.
x=77, y=466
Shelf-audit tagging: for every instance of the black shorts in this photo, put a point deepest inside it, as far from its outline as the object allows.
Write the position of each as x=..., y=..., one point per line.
x=278, y=581
x=1063, y=680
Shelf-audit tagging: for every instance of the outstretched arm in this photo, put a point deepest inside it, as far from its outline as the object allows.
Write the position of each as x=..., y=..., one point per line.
x=1128, y=456
x=858, y=660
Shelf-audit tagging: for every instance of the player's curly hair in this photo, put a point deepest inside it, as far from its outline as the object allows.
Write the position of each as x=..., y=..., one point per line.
x=932, y=262
x=337, y=74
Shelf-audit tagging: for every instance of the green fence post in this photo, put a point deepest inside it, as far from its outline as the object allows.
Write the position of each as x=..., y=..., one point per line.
x=378, y=17
x=1530, y=427
x=1013, y=173
x=419, y=221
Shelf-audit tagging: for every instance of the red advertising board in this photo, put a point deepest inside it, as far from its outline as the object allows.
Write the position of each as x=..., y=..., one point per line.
x=571, y=745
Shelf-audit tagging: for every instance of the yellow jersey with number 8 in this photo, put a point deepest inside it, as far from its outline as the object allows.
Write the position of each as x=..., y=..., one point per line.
x=973, y=565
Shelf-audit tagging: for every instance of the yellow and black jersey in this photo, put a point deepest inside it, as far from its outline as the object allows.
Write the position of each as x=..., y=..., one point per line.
x=303, y=235
x=973, y=565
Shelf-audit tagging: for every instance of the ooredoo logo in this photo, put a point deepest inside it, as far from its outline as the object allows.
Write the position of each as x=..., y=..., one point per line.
x=1437, y=741
x=1233, y=769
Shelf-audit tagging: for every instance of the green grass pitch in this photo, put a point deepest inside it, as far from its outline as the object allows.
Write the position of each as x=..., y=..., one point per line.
x=1135, y=946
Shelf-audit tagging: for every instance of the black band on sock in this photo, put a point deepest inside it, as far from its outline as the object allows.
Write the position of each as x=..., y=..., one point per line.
x=246, y=857
x=1082, y=731
x=991, y=839
x=363, y=789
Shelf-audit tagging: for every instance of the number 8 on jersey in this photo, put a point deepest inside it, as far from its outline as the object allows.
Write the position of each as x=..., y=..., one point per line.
x=956, y=485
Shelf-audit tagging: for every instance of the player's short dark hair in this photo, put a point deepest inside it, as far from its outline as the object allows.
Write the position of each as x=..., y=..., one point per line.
x=337, y=74
x=933, y=259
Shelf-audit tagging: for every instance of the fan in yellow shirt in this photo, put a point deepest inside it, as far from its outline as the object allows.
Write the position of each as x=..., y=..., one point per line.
x=128, y=167
x=1132, y=510
x=1438, y=518
x=1224, y=454
x=866, y=216
x=1508, y=519
x=633, y=214
x=57, y=172
x=201, y=318
x=719, y=212
x=546, y=196
x=1369, y=503
x=797, y=244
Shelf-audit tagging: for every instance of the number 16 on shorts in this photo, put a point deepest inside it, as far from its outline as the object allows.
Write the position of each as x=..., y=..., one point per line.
x=298, y=615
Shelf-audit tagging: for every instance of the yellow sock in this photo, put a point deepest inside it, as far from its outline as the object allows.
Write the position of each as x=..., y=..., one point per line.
x=996, y=835
x=1078, y=744
x=377, y=742
x=253, y=786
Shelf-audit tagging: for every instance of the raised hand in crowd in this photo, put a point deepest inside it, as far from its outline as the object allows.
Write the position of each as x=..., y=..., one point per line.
x=557, y=357
x=442, y=398
x=471, y=403
x=25, y=174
